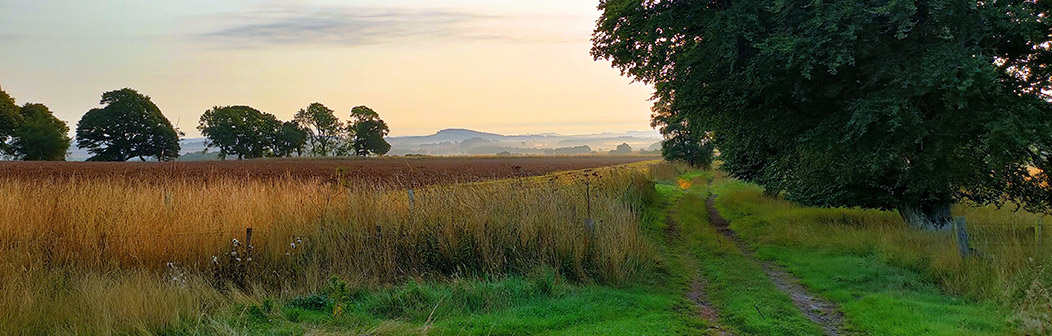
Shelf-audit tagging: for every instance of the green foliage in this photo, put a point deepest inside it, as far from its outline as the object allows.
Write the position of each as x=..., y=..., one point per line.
x=40, y=136
x=367, y=132
x=879, y=104
x=240, y=130
x=322, y=127
x=291, y=138
x=682, y=141
x=10, y=118
x=128, y=126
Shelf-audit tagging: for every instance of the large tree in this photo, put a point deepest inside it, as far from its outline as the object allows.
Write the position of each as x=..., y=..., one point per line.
x=322, y=126
x=9, y=121
x=40, y=136
x=907, y=105
x=684, y=141
x=240, y=130
x=290, y=138
x=128, y=126
x=367, y=132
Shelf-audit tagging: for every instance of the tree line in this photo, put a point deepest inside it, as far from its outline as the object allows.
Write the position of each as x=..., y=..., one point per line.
x=129, y=125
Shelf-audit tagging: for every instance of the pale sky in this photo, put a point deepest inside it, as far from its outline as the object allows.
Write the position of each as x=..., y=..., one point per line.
x=491, y=65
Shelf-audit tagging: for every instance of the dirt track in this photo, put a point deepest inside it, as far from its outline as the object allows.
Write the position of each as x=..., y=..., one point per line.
x=824, y=313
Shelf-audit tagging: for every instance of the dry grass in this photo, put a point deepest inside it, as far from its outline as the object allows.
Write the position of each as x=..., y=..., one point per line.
x=114, y=255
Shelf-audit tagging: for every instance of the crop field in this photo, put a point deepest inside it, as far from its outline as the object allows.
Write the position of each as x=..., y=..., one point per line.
x=394, y=171
x=637, y=248
x=116, y=242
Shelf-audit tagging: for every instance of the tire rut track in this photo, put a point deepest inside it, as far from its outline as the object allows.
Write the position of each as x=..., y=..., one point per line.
x=698, y=286
x=824, y=313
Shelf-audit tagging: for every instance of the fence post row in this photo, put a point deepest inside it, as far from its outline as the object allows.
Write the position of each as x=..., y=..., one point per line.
x=960, y=231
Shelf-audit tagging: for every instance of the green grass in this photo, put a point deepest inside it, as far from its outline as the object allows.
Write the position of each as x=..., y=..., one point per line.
x=886, y=300
x=541, y=304
x=746, y=299
x=878, y=272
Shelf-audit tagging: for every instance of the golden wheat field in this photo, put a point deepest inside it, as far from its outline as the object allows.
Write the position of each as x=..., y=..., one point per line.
x=127, y=254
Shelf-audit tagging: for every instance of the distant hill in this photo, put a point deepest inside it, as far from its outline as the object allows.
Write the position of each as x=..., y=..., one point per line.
x=446, y=135
x=459, y=141
x=471, y=142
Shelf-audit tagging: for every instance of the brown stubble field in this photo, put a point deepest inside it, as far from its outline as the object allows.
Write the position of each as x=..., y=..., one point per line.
x=408, y=172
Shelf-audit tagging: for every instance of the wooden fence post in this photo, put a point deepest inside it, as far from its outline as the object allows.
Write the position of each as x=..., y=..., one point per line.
x=1037, y=232
x=248, y=239
x=588, y=221
x=410, y=199
x=960, y=230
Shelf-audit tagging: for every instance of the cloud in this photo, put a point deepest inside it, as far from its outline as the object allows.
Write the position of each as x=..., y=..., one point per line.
x=369, y=26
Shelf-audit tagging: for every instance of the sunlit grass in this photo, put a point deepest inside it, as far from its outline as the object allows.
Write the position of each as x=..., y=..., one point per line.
x=1009, y=268
x=120, y=256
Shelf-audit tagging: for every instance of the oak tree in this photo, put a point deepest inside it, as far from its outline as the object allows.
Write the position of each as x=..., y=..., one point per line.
x=322, y=126
x=40, y=136
x=367, y=132
x=907, y=105
x=129, y=125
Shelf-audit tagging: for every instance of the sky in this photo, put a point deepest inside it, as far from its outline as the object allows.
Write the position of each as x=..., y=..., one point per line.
x=502, y=66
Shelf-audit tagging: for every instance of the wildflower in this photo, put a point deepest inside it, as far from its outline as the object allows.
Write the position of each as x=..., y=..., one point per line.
x=215, y=260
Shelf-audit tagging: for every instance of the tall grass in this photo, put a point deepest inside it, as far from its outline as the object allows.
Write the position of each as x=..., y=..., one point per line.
x=140, y=255
x=1009, y=267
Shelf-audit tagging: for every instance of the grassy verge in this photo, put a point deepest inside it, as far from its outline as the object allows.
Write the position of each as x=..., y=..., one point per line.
x=884, y=277
x=539, y=304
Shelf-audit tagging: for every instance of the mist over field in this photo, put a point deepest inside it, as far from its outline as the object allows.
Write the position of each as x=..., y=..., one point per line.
x=469, y=142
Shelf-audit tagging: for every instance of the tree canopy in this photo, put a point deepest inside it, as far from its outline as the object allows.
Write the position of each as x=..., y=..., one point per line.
x=240, y=130
x=10, y=118
x=40, y=136
x=129, y=125
x=290, y=138
x=683, y=142
x=908, y=105
x=322, y=126
x=367, y=132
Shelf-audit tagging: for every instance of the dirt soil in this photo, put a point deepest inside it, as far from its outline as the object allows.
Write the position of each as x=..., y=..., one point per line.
x=398, y=171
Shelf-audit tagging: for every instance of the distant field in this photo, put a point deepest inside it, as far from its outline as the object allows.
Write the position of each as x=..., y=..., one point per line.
x=407, y=172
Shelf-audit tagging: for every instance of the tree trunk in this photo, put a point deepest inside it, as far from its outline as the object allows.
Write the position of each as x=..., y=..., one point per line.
x=930, y=217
